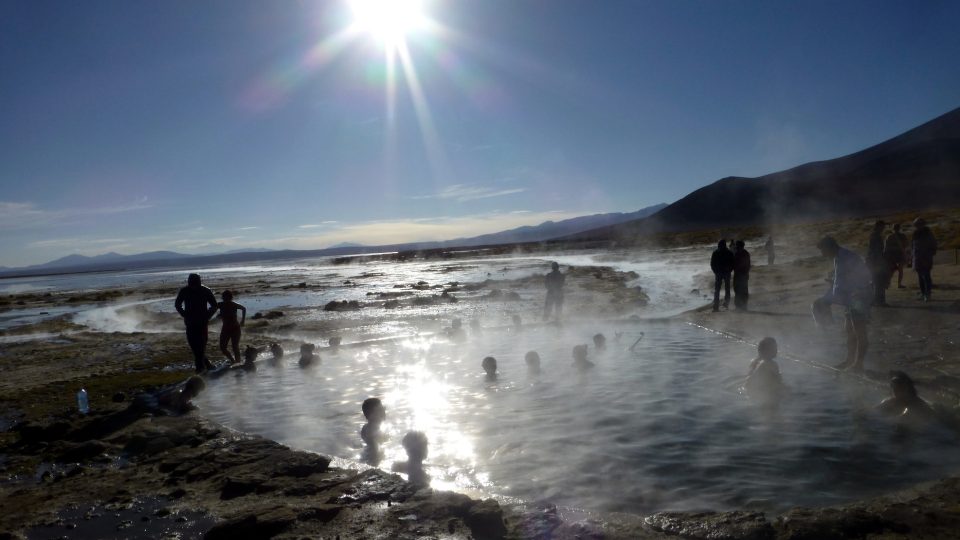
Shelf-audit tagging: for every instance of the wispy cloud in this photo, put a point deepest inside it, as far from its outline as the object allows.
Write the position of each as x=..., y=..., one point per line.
x=316, y=225
x=27, y=215
x=248, y=228
x=470, y=192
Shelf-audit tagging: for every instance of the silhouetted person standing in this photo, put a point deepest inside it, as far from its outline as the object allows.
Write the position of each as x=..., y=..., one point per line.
x=721, y=262
x=554, y=283
x=924, y=248
x=851, y=288
x=879, y=266
x=741, y=275
x=771, y=250
x=896, y=251
x=196, y=304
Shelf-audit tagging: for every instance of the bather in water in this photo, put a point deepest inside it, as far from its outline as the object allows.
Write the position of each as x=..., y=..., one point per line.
x=415, y=443
x=307, y=358
x=489, y=365
x=370, y=433
x=906, y=404
x=532, y=358
x=580, y=358
x=763, y=382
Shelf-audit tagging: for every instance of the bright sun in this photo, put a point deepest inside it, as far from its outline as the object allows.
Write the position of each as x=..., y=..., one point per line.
x=390, y=21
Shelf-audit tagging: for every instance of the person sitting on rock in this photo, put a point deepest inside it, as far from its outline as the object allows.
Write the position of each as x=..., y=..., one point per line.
x=533, y=362
x=763, y=379
x=905, y=402
x=489, y=365
x=416, y=445
x=307, y=358
x=580, y=358
x=174, y=400
x=600, y=342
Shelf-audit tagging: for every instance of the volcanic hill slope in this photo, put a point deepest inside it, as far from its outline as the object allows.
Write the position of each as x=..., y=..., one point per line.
x=919, y=169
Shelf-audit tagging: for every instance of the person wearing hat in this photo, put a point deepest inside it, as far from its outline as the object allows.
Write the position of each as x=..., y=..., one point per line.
x=879, y=265
x=851, y=288
x=924, y=247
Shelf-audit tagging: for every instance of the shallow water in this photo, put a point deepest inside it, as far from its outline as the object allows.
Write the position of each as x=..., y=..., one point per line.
x=661, y=427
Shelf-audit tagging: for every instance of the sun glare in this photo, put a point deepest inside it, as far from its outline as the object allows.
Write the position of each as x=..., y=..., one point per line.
x=390, y=21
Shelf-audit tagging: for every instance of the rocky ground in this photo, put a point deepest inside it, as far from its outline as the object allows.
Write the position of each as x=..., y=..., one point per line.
x=120, y=473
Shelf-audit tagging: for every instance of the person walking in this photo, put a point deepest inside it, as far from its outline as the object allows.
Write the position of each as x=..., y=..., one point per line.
x=554, y=283
x=771, y=250
x=895, y=250
x=721, y=262
x=924, y=246
x=196, y=304
x=741, y=276
x=852, y=289
x=879, y=265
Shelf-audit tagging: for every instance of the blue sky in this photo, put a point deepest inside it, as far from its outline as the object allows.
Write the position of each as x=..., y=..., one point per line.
x=209, y=126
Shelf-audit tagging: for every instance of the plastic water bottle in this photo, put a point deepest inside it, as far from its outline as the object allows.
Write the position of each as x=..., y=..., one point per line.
x=82, y=402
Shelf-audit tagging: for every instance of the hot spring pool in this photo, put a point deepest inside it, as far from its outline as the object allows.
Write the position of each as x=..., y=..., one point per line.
x=658, y=428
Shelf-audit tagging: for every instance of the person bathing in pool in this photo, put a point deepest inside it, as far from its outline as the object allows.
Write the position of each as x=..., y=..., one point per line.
x=415, y=443
x=370, y=433
x=763, y=380
x=580, y=358
x=905, y=403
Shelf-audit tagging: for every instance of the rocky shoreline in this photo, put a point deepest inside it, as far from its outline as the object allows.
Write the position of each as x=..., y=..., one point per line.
x=119, y=473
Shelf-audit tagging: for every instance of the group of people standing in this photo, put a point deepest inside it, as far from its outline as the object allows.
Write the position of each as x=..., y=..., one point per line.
x=734, y=264
x=888, y=255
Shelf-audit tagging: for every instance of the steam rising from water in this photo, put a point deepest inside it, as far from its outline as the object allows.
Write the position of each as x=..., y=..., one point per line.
x=662, y=427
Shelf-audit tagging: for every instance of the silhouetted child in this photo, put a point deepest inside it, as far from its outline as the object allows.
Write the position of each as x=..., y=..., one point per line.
x=580, y=358
x=230, y=332
x=763, y=380
x=600, y=342
x=415, y=444
x=905, y=402
x=490, y=366
x=307, y=358
x=533, y=362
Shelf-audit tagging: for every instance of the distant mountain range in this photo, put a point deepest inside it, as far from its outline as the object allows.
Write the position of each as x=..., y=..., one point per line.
x=535, y=233
x=916, y=170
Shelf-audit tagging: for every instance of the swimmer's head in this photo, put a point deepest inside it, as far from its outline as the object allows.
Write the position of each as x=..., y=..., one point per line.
x=307, y=349
x=489, y=365
x=373, y=410
x=902, y=385
x=580, y=353
x=533, y=361
x=828, y=246
x=193, y=386
x=767, y=348
x=456, y=323
x=555, y=266
x=415, y=443
x=335, y=341
x=600, y=341
x=193, y=280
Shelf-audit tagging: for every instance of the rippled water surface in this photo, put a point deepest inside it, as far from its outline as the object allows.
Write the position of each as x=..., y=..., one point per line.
x=659, y=427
